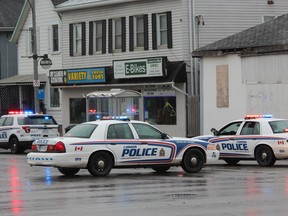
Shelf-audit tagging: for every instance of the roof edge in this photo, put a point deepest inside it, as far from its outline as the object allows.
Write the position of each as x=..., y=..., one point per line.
x=20, y=23
x=64, y=8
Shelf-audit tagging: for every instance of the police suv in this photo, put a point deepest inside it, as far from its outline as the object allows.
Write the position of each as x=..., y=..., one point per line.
x=18, y=130
x=256, y=137
x=102, y=145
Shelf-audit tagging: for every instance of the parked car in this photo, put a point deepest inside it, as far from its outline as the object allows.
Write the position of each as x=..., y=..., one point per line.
x=18, y=130
x=102, y=145
x=256, y=137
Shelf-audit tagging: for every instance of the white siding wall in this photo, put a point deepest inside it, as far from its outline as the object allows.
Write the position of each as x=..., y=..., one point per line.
x=129, y=9
x=266, y=78
x=226, y=17
x=45, y=17
x=213, y=116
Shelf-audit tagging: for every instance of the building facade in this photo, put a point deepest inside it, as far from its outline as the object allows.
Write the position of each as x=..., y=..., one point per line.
x=247, y=74
x=100, y=35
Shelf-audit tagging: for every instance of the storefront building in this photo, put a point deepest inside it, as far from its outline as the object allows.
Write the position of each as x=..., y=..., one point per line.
x=160, y=85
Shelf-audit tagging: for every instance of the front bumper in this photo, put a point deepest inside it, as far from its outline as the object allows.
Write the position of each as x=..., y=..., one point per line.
x=57, y=160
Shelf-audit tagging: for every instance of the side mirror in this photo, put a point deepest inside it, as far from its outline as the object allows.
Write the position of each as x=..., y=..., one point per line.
x=214, y=131
x=164, y=136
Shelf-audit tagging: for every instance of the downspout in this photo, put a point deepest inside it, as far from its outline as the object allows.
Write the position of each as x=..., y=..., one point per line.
x=191, y=42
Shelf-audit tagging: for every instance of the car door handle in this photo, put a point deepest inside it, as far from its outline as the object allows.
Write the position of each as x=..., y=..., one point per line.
x=144, y=143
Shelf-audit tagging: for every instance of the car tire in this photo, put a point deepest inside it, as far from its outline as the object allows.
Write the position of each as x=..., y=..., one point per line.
x=193, y=161
x=232, y=162
x=68, y=171
x=100, y=164
x=265, y=156
x=14, y=146
x=161, y=169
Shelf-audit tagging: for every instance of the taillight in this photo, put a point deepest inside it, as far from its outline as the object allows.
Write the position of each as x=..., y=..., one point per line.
x=27, y=129
x=34, y=148
x=59, y=148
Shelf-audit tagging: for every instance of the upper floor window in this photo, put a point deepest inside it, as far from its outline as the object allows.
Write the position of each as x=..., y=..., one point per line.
x=77, y=39
x=117, y=34
x=77, y=34
x=55, y=38
x=97, y=37
x=138, y=32
x=268, y=18
x=162, y=30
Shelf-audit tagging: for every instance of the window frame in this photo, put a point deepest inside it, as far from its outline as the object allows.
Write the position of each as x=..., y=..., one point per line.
x=115, y=35
x=161, y=30
x=136, y=33
x=50, y=99
x=55, y=39
x=76, y=51
x=97, y=37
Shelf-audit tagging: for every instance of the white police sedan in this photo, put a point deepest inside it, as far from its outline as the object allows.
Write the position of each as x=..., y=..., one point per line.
x=102, y=145
x=256, y=137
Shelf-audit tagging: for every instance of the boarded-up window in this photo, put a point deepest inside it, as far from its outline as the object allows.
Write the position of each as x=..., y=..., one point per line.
x=222, y=86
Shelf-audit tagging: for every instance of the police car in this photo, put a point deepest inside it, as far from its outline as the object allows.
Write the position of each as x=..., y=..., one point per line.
x=102, y=145
x=19, y=129
x=256, y=137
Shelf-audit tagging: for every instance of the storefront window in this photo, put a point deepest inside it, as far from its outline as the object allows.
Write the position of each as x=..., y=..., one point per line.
x=54, y=97
x=99, y=107
x=77, y=110
x=160, y=110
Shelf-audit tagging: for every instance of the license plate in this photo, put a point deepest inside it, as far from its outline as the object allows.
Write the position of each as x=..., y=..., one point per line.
x=42, y=148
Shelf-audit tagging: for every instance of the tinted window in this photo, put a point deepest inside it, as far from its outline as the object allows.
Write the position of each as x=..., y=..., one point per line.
x=230, y=129
x=250, y=128
x=2, y=120
x=9, y=121
x=279, y=126
x=146, y=131
x=119, y=131
x=81, y=131
x=36, y=120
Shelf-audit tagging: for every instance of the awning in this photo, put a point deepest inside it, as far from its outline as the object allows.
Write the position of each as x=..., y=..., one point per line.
x=114, y=93
x=26, y=79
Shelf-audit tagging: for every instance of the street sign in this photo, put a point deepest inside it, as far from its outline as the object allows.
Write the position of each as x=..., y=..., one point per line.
x=36, y=83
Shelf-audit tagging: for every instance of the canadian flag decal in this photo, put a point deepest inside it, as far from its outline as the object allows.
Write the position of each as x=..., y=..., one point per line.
x=78, y=148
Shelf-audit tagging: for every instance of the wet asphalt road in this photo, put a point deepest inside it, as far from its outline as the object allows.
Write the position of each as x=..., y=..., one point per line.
x=244, y=190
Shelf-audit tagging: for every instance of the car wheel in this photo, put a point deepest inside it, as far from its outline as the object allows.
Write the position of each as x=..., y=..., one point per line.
x=232, y=161
x=264, y=156
x=68, y=171
x=100, y=164
x=161, y=169
x=14, y=146
x=193, y=161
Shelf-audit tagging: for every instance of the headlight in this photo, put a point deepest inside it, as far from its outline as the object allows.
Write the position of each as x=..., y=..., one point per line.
x=211, y=147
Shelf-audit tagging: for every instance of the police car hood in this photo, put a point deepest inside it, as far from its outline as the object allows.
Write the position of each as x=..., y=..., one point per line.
x=205, y=137
x=192, y=140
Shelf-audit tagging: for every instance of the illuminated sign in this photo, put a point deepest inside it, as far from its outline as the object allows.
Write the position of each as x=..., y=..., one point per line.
x=77, y=76
x=150, y=67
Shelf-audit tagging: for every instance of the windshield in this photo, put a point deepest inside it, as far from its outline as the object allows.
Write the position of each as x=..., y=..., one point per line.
x=279, y=126
x=36, y=120
x=81, y=131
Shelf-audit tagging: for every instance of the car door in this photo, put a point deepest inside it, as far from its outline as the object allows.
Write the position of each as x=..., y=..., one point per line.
x=226, y=140
x=248, y=138
x=154, y=150
x=120, y=140
x=6, y=130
